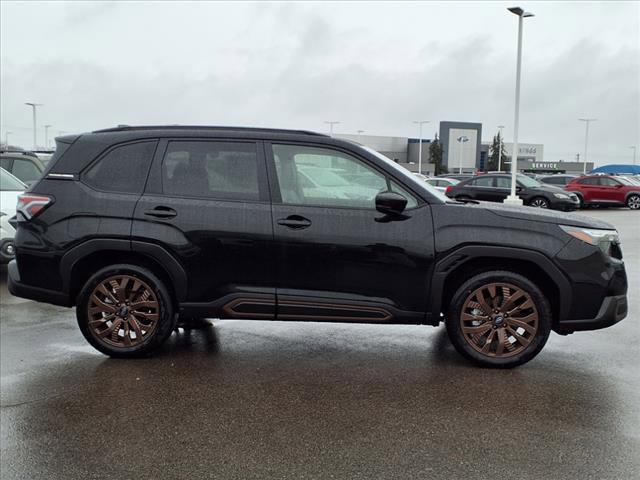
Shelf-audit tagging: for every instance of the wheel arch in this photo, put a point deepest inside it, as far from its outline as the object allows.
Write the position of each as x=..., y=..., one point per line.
x=458, y=266
x=79, y=263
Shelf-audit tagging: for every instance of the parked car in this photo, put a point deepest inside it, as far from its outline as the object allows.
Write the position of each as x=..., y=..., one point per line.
x=606, y=190
x=24, y=165
x=10, y=189
x=495, y=188
x=456, y=176
x=135, y=226
x=441, y=183
x=559, y=180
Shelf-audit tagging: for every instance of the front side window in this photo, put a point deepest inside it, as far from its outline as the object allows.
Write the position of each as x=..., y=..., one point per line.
x=503, y=182
x=609, y=182
x=220, y=170
x=123, y=169
x=323, y=177
x=483, y=182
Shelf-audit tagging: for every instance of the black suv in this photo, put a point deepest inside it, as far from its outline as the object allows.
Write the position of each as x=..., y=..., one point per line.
x=496, y=187
x=136, y=226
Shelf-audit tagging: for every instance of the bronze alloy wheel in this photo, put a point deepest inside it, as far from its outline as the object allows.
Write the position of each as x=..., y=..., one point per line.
x=499, y=320
x=123, y=311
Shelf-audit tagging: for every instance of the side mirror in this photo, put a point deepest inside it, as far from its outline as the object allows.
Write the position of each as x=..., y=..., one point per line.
x=390, y=203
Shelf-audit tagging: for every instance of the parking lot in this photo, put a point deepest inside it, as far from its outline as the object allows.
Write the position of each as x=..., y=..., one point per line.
x=246, y=399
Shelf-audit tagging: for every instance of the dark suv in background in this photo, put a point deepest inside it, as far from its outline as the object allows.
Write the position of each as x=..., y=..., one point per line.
x=496, y=187
x=135, y=226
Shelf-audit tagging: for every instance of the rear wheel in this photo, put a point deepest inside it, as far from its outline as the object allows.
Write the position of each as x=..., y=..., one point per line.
x=539, y=202
x=125, y=311
x=499, y=319
x=633, y=202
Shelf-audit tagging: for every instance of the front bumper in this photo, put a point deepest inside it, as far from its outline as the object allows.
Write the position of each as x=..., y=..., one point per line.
x=612, y=310
x=18, y=289
x=566, y=204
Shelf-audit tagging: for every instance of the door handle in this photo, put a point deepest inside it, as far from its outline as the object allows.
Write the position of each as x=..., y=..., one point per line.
x=295, y=222
x=161, y=212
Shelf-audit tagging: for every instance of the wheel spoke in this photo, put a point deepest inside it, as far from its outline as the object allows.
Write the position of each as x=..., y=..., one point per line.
x=484, y=306
x=487, y=346
x=101, y=306
x=512, y=300
x=529, y=328
x=152, y=317
x=479, y=329
x=502, y=341
x=522, y=340
x=107, y=292
x=115, y=326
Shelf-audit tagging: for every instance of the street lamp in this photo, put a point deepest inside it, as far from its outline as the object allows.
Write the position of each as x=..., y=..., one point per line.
x=461, y=139
x=360, y=132
x=33, y=106
x=331, y=123
x=420, y=123
x=500, y=127
x=46, y=135
x=633, y=147
x=586, y=141
x=512, y=198
x=6, y=139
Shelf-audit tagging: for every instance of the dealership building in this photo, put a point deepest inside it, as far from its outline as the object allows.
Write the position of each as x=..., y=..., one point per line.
x=463, y=151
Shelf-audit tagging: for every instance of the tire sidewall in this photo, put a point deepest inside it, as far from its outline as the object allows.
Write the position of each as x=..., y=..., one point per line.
x=166, y=320
x=454, y=328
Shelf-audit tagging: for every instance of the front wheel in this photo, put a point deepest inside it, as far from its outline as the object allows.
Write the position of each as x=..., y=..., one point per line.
x=633, y=202
x=125, y=311
x=539, y=202
x=499, y=319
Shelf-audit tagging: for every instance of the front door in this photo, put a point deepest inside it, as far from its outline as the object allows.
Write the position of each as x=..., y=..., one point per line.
x=207, y=203
x=338, y=258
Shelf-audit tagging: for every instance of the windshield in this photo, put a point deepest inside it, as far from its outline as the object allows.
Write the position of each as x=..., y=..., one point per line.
x=10, y=183
x=627, y=181
x=528, y=181
x=408, y=177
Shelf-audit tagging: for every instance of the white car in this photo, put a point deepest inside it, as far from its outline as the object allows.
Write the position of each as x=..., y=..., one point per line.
x=441, y=183
x=10, y=188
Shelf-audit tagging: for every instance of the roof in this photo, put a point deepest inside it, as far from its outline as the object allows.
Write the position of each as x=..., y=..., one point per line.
x=632, y=169
x=132, y=128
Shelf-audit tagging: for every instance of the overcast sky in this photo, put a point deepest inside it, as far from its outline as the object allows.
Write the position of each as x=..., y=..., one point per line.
x=373, y=66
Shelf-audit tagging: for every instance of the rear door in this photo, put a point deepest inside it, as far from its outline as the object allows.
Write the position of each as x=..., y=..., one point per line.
x=610, y=190
x=207, y=203
x=485, y=189
x=338, y=258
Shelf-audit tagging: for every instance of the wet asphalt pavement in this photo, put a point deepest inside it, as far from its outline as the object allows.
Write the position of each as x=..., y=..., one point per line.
x=247, y=400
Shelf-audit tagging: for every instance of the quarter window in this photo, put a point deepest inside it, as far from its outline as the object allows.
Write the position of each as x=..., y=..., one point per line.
x=222, y=170
x=319, y=176
x=123, y=169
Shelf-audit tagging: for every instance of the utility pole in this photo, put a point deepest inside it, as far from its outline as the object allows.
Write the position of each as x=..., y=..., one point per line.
x=6, y=139
x=420, y=122
x=46, y=135
x=586, y=141
x=331, y=123
x=500, y=127
x=633, y=147
x=34, y=106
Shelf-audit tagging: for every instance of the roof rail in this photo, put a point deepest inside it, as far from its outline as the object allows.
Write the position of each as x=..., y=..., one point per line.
x=128, y=128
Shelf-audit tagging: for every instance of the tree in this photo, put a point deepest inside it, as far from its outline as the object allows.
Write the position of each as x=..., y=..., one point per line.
x=435, y=156
x=494, y=149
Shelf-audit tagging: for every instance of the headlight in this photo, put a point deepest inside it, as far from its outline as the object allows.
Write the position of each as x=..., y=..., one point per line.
x=561, y=195
x=596, y=237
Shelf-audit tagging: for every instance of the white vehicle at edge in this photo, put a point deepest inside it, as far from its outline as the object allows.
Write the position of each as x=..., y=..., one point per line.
x=10, y=189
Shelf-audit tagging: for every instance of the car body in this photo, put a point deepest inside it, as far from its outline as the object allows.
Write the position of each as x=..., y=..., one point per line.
x=441, y=183
x=456, y=176
x=23, y=165
x=10, y=189
x=137, y=226
x=558, y=180
x=496, y=187
x=606, y=190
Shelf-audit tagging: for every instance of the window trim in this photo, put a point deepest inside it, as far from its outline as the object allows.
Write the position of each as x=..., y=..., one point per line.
x=274, y=185
x=155, y=185
x=83, y=173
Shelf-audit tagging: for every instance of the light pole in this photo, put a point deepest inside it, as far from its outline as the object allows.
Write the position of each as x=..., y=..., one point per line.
x=46, y=135
x=633, y=147
x=33, y=106
x=513, y=198
x=461, y=139
x=500, y=127
x=360, y=132
x=586, y=141
x=6, y=140
x=420, y=123
x=331, y=123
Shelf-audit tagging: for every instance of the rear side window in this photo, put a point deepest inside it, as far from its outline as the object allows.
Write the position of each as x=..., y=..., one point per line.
x=482, y=182
x=554, y=180
x=221, y=170
x=123, y=169
x=589, y=181
x=607, y=182
x=25, y=170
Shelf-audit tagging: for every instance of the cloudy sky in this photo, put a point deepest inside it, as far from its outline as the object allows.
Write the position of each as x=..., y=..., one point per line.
x=373, y=66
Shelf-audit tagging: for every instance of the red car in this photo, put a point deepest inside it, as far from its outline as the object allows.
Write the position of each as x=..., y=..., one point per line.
x=605, y=190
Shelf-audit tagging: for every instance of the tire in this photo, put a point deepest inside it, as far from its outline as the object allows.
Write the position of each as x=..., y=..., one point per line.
x=466, y=310
x=539, y=202
x=108, y=319
x=581, y=200
x=633, y=202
